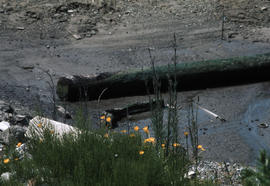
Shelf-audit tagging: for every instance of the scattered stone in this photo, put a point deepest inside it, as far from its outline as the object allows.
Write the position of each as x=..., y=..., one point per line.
x=191, y=174
x=263, y=125
x=5, y=107
x=232, y=35
x=77, y=36
x=4, y=137
x=21, y=150
x=70, y=11
x=210, y=170
x=93, y=32
x=22, y=120
x=264, y=8
x=28, y=67
x=4, y=125
x=20, y=28
x=1, y=11
x=17, y=132
x=63, y=112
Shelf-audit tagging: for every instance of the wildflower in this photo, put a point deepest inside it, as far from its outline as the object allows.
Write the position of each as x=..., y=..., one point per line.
x=109, y=119
x=16, y=159
x=6, y=161
x=39, y=125
x=141, y=152
x=132, y=135
x=19, y=144
x=163, y=145
x=151, y=140
x=186, y=134
x=145, y=129
x=136, y=128
x=102, y=117
x=124, y=131
x=115, y=155
x=201, y=147
x=176, y=145
x=106, y=135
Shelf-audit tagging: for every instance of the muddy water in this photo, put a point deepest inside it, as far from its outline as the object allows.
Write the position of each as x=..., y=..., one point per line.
x=238, y=139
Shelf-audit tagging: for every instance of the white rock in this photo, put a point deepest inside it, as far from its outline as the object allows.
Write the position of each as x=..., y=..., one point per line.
x=191, y=173
x=263, y=8
x=20, y=28
x=5, y=176
x=4, y=125
x=77, y=36
x=63, y=112
x=38, y=124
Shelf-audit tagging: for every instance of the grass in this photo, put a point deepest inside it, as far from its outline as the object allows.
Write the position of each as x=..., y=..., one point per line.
x=96, y=158
x=261, y=176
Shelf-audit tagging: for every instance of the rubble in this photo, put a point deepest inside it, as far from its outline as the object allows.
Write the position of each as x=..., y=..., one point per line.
x=4, y=125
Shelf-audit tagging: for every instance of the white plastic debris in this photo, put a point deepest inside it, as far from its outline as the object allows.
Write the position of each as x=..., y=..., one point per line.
x=4, y=125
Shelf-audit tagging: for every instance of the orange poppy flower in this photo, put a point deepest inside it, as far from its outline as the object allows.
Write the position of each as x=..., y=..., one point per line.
x=109, y=119
x=145, y=129
x=141, y=152
x=6, y=161
x=136, y=128
x=19, y=144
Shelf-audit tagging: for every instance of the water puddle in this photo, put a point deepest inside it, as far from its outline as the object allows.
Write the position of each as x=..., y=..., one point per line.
x=238, y=139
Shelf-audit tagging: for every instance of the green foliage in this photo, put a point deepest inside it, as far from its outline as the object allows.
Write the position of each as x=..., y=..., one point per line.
x=261, y=176
x=90, y=158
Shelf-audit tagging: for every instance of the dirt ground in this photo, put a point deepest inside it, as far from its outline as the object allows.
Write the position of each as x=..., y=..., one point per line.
x=72, y=37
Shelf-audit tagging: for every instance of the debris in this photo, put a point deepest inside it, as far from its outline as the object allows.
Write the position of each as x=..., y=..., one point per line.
x=18, y=132
x=28, y=67
x=263, y=125
x=117, y=114
x=20, y=28
x=22, y=120
x=213, y=114
x=63, y=112
x=191, y=174
x=70, y=11
x=4, y=125
x=77, y=36
x=264, y=8
x=232, y=34
x=93, y=32
x=5, y=107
